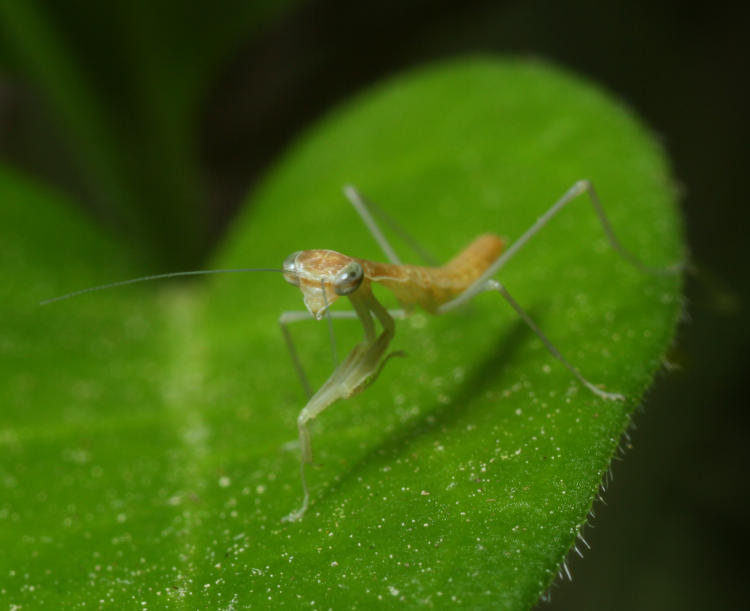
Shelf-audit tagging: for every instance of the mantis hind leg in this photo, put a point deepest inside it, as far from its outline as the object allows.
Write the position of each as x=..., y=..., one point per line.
x=486, y=283
x=582, y=186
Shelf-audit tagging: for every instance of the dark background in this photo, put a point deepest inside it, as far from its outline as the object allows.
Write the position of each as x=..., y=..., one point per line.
x=674, y=533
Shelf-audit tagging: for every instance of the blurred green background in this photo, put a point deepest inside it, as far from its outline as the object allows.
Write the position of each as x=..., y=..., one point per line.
x=159, y=118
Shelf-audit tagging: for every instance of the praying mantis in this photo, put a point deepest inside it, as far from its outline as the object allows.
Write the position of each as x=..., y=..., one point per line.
x=324, y=276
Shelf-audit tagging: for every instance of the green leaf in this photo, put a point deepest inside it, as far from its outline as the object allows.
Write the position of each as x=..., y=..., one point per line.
x=148, y=432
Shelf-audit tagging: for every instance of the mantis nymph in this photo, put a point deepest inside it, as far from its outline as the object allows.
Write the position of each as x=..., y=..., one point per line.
x=324, y=276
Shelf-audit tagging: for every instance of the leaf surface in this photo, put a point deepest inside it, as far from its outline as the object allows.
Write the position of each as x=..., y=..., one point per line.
x=148, y=433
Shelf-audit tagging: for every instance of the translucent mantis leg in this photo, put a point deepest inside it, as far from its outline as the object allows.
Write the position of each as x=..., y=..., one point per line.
x=360, y=368
x=493, y=285
x=582, y=186
x=485, y=282
x=365, y=209
x=292, y=316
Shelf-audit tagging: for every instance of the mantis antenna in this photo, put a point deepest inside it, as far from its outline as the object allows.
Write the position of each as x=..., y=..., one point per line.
x=204, y=272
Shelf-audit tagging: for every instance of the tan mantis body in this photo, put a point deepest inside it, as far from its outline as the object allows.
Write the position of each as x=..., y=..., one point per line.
x=413, y=285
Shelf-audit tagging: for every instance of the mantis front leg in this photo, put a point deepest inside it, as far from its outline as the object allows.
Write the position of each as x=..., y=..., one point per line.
x=360, y=368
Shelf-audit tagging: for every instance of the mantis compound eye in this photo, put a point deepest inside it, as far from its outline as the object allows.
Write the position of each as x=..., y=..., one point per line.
x=348, y=279
x=290, y=269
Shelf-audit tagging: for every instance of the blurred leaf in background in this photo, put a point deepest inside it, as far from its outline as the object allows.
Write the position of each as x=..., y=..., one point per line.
x=118, y=88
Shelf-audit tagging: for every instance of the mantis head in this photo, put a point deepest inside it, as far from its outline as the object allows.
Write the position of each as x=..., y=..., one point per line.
x=323, y=276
